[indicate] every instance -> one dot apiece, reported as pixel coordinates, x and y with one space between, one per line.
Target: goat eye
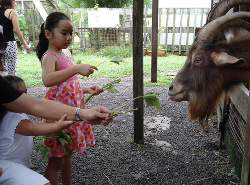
197 60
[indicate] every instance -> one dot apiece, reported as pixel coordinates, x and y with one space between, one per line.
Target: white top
14 147
18 174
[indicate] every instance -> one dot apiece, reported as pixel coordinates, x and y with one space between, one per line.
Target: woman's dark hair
51 22
5 3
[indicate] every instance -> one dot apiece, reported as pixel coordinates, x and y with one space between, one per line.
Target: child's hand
95 89
86 69
63 123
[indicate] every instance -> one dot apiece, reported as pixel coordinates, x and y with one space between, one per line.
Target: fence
176 28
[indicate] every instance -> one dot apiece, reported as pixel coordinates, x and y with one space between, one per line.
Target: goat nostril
171 87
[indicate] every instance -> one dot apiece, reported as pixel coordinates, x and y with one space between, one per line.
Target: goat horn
238 23
207 33
223 7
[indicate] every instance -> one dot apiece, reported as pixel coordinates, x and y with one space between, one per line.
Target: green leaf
44 150
116 59
62 141
112 90
67 137
152 100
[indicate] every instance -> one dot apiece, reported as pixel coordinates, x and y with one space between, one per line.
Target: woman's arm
28 128
51 76
14 18
54 110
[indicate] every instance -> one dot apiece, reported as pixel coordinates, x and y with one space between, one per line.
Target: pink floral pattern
70 93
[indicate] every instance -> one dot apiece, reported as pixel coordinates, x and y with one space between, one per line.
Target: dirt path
176 151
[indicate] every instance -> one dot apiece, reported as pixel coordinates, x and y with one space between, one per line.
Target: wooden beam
154 41
138 69
245 171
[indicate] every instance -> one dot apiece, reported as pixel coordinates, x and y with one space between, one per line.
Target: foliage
116 50
107 3
94 3
109 87
23 25
148 3
29 67
62 137
150 98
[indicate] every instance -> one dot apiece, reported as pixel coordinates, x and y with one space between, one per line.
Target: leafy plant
62 137
121 51
150 98
23 24
109 87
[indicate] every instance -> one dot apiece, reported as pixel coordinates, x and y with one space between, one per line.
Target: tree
95 3
107 3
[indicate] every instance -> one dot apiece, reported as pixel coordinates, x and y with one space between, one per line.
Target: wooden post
173 38
166 30
138 69
180 32
245 180
154 41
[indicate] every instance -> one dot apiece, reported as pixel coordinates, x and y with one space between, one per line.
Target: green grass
29 67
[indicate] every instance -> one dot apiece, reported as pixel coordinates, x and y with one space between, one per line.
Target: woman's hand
96 115
85 69
27 47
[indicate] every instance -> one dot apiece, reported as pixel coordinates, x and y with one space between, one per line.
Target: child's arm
51 76
92 89
28 128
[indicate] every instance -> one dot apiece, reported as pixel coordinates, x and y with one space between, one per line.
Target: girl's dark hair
51 22
5 3
13 79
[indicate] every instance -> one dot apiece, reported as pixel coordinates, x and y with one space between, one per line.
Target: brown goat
213 67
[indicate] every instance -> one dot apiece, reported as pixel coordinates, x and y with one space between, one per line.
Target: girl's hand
86 69
95 89
63 123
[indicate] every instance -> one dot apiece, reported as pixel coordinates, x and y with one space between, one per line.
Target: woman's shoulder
10 13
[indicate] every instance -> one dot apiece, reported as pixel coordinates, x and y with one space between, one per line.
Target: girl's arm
92 89
28 128
54 110
51 76
14 18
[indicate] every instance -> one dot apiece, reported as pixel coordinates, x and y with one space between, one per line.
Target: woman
8 26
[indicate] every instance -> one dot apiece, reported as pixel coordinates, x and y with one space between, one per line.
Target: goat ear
223 59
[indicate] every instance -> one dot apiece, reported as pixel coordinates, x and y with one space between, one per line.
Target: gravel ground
175 151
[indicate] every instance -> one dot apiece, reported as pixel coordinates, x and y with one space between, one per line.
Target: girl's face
61 36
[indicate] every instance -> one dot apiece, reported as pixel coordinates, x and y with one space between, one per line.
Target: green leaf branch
150 98
62 137
109 87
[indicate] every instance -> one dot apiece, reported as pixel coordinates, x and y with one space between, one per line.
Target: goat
214 66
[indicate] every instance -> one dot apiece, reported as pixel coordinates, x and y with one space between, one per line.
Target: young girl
16 142
59 75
